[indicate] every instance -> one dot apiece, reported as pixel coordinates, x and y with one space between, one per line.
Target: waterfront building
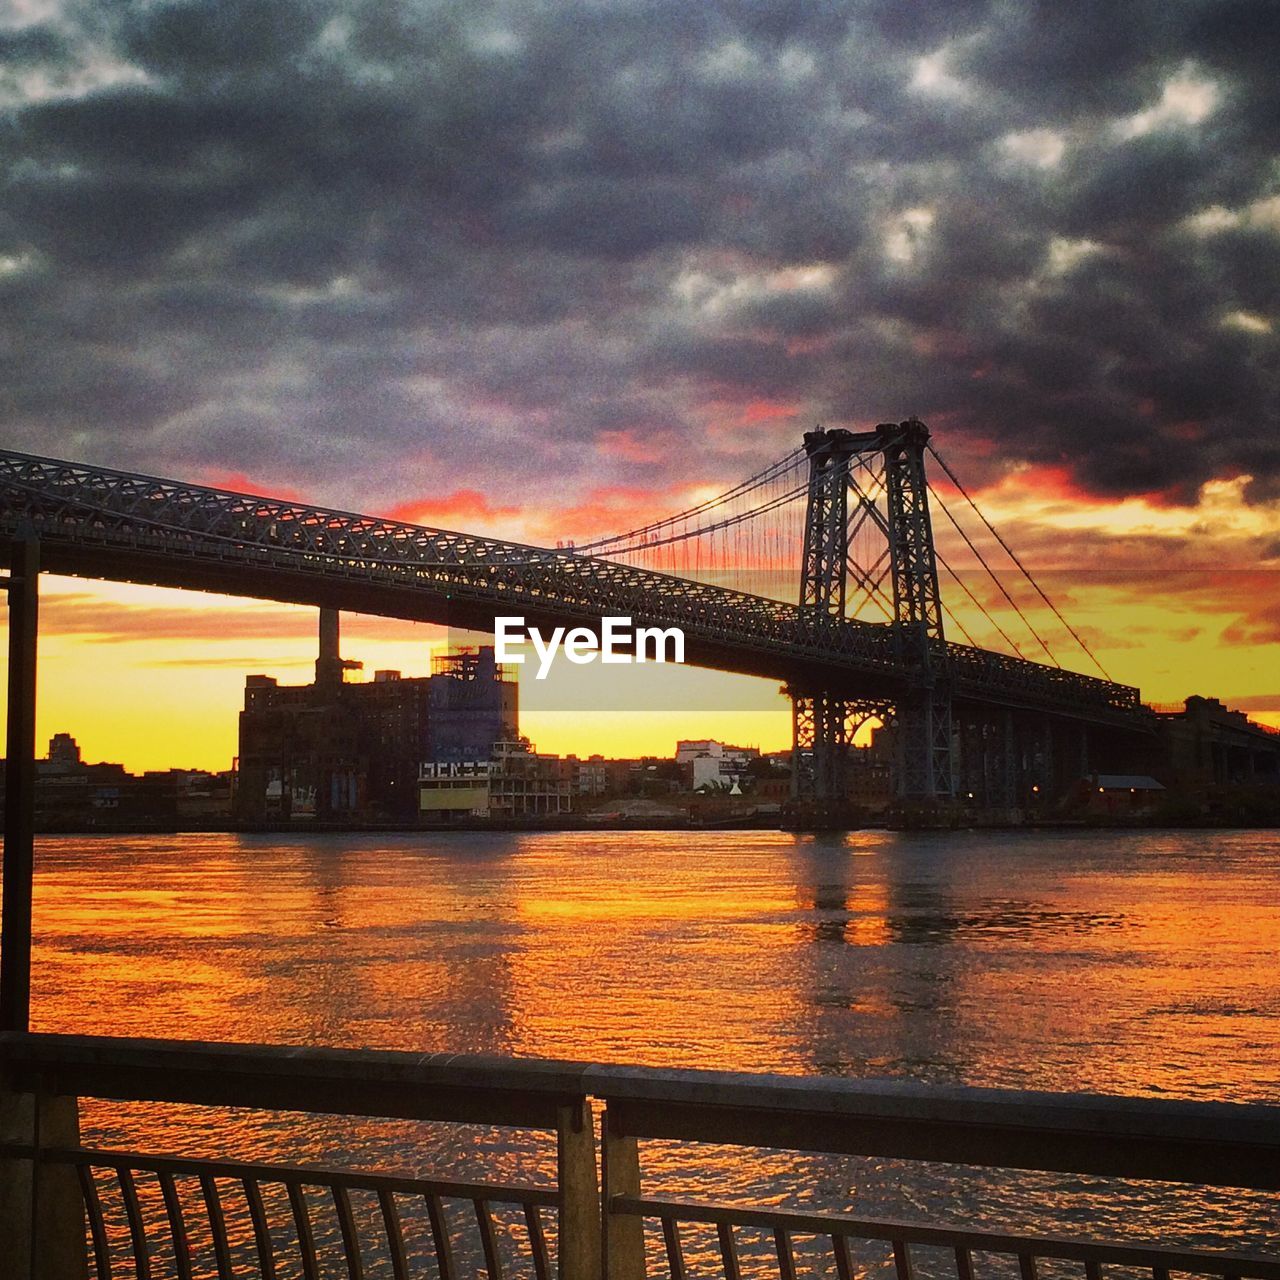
708 763
72 794
514 782
1207 744
336 749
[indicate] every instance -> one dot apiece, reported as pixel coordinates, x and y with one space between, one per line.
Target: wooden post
622 1233
579 1246
47 1207
20 789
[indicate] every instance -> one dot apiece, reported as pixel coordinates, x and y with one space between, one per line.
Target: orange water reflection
1125 963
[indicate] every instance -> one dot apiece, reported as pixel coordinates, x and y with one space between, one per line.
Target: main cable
761 478
1026 573
994 578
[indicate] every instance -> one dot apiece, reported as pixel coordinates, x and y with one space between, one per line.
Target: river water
1141 963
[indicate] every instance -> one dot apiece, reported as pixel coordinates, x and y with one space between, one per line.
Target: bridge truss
102 523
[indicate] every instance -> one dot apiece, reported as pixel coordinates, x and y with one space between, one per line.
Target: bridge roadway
94 522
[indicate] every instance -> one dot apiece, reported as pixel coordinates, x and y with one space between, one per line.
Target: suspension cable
685 535
960 582
770 504
1026 573
761 478
1004 591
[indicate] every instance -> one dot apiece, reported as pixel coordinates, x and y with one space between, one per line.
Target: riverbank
571 823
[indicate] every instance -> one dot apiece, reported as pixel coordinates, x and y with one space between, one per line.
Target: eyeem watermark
616 643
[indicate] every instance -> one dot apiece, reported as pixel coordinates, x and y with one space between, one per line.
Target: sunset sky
547 270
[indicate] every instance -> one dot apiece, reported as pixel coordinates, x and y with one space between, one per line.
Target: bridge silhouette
965 719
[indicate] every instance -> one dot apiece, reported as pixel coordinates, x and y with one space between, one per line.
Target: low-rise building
1119 794
515 782
712 764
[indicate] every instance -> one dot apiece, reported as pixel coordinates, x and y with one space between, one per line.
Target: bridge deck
100 523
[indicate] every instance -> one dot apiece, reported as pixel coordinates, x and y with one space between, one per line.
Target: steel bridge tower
824 721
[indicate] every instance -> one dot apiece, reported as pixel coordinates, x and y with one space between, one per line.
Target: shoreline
616 824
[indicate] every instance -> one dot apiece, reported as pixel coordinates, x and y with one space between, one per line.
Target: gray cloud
377 250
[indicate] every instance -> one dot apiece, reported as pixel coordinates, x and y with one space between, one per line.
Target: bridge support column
823 726
23 586
1009 760
1048 765
924 745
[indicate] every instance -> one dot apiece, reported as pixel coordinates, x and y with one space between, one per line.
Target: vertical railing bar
902 1259
177 1227
137 1228
302 1223
488 1241
97 1228
844 1259
537 1243
675 1254
728 1251
440 1234
395 1237
964 1264
1093 1271
217 1225
1159 1273
786 1262
1027 1266
350 1237
261 1229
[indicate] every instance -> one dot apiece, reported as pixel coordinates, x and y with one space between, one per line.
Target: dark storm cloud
361 249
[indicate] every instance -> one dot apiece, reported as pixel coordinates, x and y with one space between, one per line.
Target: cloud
380 253
1259 625
85 614
463 508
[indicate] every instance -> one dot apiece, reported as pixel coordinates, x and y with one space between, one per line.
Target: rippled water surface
1134 963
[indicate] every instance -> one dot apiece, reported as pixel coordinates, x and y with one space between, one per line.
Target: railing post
579 1246
42 1233
622 1233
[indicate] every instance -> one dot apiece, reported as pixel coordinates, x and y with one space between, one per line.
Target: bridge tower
823 723
924 714
823 720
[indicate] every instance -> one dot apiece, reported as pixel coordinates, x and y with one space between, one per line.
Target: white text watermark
617 642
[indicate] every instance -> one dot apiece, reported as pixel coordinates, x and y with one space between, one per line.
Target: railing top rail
468 1088
1250 1123
1210 1143
287 1174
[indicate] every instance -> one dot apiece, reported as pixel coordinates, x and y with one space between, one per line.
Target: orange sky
1174 600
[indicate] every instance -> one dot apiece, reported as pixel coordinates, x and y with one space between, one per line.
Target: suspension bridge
820 571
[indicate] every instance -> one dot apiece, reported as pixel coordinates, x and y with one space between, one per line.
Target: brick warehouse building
335 749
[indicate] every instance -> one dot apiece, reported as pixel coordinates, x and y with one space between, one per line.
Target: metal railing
591 1222
185 1194
253 1178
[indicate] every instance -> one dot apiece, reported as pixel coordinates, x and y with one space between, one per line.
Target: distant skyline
546 270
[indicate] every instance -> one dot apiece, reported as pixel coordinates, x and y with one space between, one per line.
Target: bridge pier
823 726
924 763
1006 759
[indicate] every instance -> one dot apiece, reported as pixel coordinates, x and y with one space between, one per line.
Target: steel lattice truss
98 522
